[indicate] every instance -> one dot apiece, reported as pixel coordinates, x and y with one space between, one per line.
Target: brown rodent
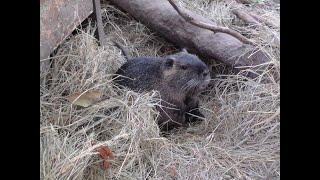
179 78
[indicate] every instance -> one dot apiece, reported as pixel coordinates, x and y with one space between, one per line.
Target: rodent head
186 71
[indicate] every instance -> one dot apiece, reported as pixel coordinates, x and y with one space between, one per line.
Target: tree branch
245 17
251 18
211 27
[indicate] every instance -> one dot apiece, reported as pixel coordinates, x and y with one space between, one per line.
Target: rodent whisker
185 85
189 85
168 106
193 85
116 76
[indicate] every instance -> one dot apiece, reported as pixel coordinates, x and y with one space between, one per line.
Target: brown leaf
86 99
105 165
105 152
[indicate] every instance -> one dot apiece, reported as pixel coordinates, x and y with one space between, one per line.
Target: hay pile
240 138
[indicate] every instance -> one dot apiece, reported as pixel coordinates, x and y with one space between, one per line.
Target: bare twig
262 20
251 18
122 48
211 27
245 17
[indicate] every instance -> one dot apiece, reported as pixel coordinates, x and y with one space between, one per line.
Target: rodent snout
206 80
205 74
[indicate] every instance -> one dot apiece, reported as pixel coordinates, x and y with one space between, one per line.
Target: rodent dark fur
179 78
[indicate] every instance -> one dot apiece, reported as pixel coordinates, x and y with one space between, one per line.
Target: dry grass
240 138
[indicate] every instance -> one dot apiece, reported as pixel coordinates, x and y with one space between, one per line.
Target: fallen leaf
105 152
86 99
105 165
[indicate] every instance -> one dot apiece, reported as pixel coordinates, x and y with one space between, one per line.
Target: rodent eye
169 62
183 67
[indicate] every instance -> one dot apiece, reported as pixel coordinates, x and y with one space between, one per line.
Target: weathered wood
58 18
162 17
97 12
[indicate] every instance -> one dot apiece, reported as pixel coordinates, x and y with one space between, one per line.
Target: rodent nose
205 73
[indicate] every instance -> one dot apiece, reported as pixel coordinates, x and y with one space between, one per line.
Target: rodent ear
184 50
169 61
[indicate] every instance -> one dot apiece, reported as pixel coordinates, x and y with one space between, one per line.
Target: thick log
58 18
163 18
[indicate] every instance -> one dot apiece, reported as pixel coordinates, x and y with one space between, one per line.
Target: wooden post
97 11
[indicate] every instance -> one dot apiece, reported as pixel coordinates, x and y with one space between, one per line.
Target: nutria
179 78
